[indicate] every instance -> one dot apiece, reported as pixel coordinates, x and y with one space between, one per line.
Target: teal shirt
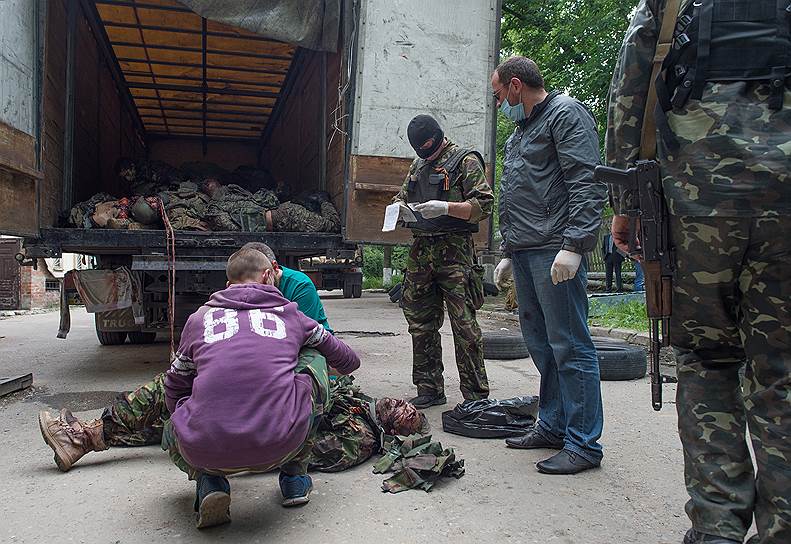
297 287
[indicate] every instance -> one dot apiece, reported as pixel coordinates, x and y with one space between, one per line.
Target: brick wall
33 288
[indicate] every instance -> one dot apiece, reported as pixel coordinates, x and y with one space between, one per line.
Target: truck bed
54 242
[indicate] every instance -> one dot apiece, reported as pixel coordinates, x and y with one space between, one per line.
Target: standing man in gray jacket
550 213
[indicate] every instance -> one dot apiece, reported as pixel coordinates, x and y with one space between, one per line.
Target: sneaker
295 489
424 401
212 501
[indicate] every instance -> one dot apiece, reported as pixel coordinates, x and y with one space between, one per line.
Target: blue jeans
639 278
554 320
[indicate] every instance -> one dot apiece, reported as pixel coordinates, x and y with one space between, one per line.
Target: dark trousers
613 262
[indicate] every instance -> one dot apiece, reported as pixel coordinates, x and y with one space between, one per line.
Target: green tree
574 42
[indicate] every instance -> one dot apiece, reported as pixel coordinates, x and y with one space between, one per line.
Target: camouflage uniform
729 193
346 436
186 207
292 217
233 208
438 269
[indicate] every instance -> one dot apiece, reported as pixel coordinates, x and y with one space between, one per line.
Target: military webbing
665 42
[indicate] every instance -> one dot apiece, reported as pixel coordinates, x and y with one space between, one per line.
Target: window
52 285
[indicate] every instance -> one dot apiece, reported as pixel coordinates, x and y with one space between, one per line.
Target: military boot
69 437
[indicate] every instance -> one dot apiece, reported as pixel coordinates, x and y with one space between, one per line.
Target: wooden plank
18 151
375 181
18 206
14 384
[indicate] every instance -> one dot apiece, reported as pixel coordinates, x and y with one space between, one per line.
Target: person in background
613 262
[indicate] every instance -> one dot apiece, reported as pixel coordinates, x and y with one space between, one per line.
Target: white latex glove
432 208
503 272
565 266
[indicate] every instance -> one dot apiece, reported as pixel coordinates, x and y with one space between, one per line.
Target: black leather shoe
424 401
533 440
565 462
694 537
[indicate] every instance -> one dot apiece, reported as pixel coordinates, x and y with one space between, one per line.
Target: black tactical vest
433 181
725 40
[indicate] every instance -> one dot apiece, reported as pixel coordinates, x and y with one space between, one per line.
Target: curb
628 335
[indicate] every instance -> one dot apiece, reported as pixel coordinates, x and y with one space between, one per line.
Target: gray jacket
548 197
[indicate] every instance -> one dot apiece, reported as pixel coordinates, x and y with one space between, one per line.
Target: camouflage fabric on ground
417 462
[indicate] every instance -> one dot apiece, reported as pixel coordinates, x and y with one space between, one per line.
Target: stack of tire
618 360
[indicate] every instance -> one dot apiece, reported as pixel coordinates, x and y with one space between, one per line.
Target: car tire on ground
111 338
395 292
619 360
138 337
504 345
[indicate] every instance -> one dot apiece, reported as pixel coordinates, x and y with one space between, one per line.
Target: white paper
391 217
393 213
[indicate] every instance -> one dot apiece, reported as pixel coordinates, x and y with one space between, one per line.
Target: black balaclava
421 129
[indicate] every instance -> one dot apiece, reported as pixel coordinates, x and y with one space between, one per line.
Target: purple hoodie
232 391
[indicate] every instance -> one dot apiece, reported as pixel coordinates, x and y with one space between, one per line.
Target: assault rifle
649 239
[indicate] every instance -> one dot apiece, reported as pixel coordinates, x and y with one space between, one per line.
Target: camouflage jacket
469 186
734 154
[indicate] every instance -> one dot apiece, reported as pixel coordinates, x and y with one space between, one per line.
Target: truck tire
138 337
504 345
347 289
111 338
619 360
357 290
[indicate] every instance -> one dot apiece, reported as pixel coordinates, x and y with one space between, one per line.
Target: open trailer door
417 57
20 58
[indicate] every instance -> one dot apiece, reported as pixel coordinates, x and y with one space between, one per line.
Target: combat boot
69 437
694 537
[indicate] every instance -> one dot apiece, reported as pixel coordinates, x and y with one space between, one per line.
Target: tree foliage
574 42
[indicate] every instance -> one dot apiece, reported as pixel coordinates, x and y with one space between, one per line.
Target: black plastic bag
490 418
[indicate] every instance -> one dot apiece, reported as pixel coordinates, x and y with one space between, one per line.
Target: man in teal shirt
136 418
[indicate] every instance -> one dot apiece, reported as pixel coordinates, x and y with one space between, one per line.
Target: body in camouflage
439 269
292 217
233 208
729 193
186 207
346 436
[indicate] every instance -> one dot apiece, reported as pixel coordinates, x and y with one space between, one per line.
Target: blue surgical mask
514 113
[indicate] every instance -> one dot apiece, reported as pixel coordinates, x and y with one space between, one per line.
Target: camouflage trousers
438 269
345 437
291 217
732 309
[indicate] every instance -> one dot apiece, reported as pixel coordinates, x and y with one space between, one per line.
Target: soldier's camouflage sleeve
628 92
476 189
402 194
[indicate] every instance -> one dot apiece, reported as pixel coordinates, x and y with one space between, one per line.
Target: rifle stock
650 218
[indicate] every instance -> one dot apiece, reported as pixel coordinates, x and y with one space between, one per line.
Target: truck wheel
504 345
357 290
619 360
113 338
348 290
138 337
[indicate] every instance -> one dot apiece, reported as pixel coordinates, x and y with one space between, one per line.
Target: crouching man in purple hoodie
240 396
